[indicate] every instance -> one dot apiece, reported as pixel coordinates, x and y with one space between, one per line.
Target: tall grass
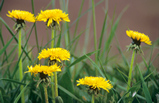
144 86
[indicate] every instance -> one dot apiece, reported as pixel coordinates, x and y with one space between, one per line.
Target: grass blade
14 36
96 66
1 5
5 47
78 19
102 33
113 29
16 100
14 81
81 58
69 93
145 89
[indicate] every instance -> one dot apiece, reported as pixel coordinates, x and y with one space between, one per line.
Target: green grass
97 62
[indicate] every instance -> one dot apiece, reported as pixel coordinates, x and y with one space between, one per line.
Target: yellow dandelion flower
21 15
47 70
54 54
95 83
52 17
138 37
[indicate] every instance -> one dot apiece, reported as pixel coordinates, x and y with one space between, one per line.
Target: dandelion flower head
95 82
51 16
138 37
21 15
47 70
55 54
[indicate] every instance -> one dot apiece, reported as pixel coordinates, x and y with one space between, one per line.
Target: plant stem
52 89
56 87
130 71
52 38
92 98
20 65
95 36
46 95
55 74
52 78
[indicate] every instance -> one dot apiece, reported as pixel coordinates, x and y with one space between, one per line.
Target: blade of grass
1 98
18 89
18 97
96 66
9 63
113 29
103 69
80 10
75 39
107 56
81 58
14 81
103 31
145 88
125 61
5 47
1 5
32 4
1 37
148 66
7 71
69 93
25 45
53 3
10 54
85 13
14 37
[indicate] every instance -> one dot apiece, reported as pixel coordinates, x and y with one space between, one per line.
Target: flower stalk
130 71
92 98
55 73
56 86
52 38
54 79
46 95
20 65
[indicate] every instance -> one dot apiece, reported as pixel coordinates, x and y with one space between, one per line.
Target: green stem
20 65
130 71
92 98
56 87
46 95
52 89
52 78
55 74
52 38
95 36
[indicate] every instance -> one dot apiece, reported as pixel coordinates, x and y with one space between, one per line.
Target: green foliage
145 77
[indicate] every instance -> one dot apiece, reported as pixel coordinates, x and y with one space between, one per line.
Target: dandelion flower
52 17
57 54
95 83
138 37
21 16
46 70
